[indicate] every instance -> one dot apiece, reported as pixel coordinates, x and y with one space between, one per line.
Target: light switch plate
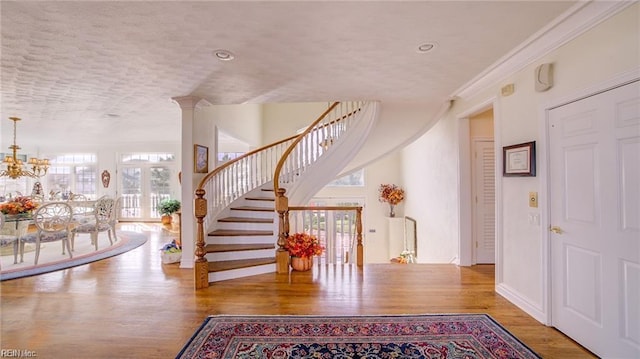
533 199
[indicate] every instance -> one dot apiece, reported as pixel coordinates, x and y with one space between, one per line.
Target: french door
142 188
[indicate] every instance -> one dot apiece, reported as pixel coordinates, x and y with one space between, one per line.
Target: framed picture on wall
200 159
519 160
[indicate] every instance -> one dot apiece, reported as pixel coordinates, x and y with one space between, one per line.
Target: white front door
595 221
484 201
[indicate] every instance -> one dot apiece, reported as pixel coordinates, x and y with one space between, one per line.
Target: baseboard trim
518 300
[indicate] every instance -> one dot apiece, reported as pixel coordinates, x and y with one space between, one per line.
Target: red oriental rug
389 336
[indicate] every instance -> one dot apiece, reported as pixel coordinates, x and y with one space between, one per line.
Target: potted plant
302 247
167 207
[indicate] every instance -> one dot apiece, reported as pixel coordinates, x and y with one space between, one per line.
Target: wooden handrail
324 208
285 155
238 159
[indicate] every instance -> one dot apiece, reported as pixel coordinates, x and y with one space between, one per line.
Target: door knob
556 229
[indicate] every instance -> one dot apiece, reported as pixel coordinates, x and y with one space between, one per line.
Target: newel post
359 248
282 255
201 267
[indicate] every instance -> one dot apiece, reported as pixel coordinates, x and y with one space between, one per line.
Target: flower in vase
391 194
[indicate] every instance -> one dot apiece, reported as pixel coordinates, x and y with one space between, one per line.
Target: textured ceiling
108 70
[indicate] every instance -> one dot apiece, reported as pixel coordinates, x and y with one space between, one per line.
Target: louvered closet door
483 197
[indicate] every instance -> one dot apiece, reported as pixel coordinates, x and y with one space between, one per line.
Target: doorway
145 179
477 186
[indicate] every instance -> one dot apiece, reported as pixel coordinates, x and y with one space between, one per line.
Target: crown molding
580 18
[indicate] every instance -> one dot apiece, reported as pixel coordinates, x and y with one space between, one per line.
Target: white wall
402 122
429 172
597 56
481 125
243 122
281 120
376 225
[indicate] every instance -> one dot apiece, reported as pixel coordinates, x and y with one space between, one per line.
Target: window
147 157
228 156
14 187
355 179
73 173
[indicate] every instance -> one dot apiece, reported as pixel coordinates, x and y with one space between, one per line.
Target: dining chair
77 197
103 212
115 216
53 222
8 236
82 208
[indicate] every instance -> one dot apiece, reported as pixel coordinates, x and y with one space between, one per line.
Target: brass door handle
556 229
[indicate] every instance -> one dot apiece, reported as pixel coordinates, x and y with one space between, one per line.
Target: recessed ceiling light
224 55
426 47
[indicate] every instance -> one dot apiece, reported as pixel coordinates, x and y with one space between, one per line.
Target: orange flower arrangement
391 194
18 205
303 245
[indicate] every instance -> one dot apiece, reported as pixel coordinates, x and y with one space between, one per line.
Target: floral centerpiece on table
18 205
303 245
391 194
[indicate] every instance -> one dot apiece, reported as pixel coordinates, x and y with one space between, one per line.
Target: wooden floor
132 306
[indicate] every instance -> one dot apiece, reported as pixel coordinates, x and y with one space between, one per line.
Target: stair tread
239 232
246 220
231 247
266 199
253 208
239 263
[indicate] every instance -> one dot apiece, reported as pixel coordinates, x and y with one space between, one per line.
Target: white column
188 226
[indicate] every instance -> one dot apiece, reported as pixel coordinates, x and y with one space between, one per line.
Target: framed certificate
519 160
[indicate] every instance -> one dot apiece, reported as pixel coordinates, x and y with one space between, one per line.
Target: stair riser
252 214
245 226
240 239
261 202
227 256
242 272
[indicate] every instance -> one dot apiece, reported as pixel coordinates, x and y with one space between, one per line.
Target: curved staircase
235 203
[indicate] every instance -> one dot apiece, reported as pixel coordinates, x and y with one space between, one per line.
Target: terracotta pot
166 219
301 264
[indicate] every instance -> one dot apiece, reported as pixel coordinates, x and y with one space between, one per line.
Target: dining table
18 224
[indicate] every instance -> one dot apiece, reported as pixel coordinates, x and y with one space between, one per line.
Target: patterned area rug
396 336
56 261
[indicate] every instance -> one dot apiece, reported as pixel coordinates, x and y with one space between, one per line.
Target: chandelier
14 165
